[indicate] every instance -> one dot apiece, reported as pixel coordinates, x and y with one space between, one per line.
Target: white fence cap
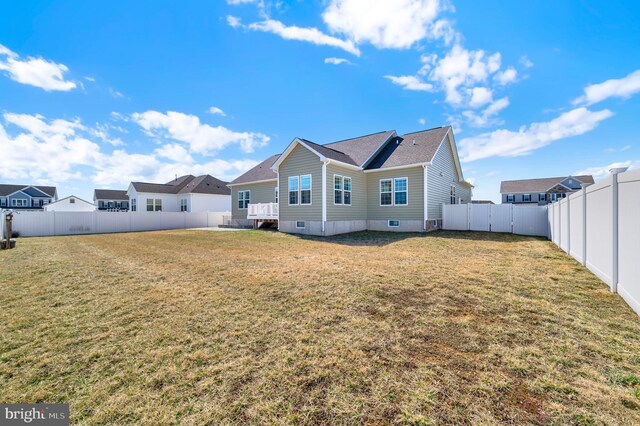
617 170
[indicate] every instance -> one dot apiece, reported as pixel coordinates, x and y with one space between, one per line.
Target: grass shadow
364 238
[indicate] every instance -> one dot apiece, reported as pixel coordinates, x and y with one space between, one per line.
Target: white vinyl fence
524 220
599 226
41 223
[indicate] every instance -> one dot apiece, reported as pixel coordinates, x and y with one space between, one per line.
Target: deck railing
262 211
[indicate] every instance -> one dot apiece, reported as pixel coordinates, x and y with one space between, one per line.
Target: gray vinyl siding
263 192
439 187
415 207
300 162
358 208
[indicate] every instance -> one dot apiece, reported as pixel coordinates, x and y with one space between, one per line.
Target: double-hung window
134 204
526 198
541 197
300 190
244 198
341 190
453 195
149 204
158 205
394 192
510 198
277 194
183 204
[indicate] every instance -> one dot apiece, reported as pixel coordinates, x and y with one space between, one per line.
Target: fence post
559 223
468 216
568 225
584 224
614 217
511 217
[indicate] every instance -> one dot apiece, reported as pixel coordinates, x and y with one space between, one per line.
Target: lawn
254 327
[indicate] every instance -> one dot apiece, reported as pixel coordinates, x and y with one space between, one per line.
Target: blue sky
94 96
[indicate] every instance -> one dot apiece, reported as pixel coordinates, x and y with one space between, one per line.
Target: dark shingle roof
411 148
330 153
6 189
260 172
205 184
187 184
110 194
360 149
538 185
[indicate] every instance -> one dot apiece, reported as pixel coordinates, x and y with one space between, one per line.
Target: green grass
188 327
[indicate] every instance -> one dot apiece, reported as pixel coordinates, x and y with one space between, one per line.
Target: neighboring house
70 204
380 181
183 194
26 197
541 191
482 202
111 199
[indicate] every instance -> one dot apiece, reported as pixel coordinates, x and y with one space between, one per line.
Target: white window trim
389 225
393 192
25 202
453 195
247 191
511 198
300 221
342 190
289 191
185 203
310 190
523 198
276 194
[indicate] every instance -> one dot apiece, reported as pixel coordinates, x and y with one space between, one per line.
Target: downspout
426 198
324 194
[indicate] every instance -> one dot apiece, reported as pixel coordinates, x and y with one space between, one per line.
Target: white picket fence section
523 220
599 226
41 223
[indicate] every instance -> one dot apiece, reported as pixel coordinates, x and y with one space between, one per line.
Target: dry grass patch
258 327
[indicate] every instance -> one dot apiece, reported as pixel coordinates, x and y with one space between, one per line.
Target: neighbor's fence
599 226
523 220
41 223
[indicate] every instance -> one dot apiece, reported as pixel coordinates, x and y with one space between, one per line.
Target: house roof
360 149
410 148
110 194
6 189
539 184
260 172
330 153
187 184
70 196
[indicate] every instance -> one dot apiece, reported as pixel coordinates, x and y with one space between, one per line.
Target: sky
96 95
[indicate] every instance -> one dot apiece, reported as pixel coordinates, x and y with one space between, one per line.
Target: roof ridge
553 177
425 130
324 146
357 137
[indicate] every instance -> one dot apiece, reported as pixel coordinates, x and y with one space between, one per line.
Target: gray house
382 181
542 190
26 197
111 199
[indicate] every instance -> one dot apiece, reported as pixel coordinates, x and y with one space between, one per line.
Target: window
299 224
300 190
386 192
3 201
19 203
277 195
149 204
183 204
134 205
541 197
244 198
526 198
72 200
394 223
341 190
452 194
510 198
337 189
158 205
400 191
305 189
347 191
293 190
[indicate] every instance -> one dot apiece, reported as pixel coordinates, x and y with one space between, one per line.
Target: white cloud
508 76
487 116
410 82
216 111
36 72
311 35
116 94
525 61
235 2
621 149
460 69
336 61
507 143
201 138
233 21
480 96
174 152
600 172
422 121
615 88
395 24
